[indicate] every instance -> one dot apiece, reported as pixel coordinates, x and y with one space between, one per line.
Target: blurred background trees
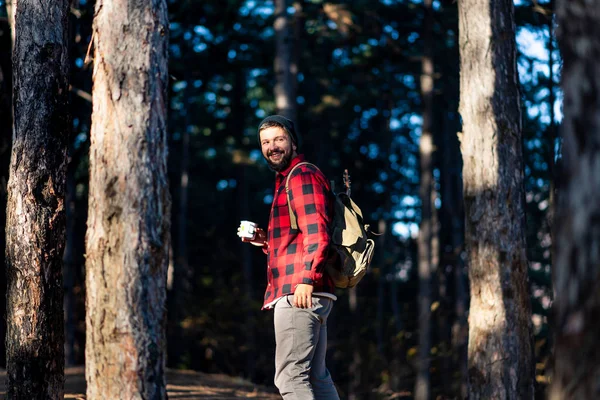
576 271
367 80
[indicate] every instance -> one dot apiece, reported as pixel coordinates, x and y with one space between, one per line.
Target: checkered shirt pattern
298 256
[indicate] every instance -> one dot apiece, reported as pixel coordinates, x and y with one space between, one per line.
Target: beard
282 163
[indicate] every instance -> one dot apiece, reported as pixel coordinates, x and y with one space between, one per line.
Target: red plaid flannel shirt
298 256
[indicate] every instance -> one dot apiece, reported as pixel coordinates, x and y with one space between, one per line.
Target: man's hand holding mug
249 232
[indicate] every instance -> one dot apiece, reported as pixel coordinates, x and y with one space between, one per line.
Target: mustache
271 152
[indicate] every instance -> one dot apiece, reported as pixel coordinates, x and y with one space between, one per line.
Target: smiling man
298 288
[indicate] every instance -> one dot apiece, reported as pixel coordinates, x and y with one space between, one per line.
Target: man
298 288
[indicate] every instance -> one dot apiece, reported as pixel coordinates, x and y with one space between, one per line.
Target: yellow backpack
349 238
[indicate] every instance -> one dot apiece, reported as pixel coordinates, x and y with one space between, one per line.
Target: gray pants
301 345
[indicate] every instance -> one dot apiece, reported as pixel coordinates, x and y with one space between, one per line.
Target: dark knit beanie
287 124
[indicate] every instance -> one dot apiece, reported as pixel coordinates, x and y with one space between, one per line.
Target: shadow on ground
186 385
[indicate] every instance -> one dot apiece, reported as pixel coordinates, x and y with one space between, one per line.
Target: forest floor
188 385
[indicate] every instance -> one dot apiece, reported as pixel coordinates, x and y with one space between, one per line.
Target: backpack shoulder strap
293 221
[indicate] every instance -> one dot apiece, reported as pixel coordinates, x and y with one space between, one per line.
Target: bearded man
298 288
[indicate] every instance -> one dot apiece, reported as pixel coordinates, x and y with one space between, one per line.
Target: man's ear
294 147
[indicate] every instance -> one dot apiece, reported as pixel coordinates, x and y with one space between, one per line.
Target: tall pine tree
500 343
129 206
577 233
35 221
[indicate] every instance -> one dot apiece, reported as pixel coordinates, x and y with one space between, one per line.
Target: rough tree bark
127 239
6 125
500 350
286 68
577 267
422 383
35 221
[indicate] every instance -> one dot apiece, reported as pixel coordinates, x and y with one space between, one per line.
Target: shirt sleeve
309 196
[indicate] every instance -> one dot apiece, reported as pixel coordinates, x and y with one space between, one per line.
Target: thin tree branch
81 93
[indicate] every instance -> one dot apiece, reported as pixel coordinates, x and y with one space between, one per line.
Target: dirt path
188 385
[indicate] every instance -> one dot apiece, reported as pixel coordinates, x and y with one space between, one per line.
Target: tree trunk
500 352
460 329
398 366
182 268
551 131
6 129
451 187
127 240
180 287
10 12
247 270
239 112
354 370
70 266
381 283
286 68
299 31
577 268
35 223
460 326
422 384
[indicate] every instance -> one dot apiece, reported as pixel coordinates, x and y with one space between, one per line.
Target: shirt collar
295 161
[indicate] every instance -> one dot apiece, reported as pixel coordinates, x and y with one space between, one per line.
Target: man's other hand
303 296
